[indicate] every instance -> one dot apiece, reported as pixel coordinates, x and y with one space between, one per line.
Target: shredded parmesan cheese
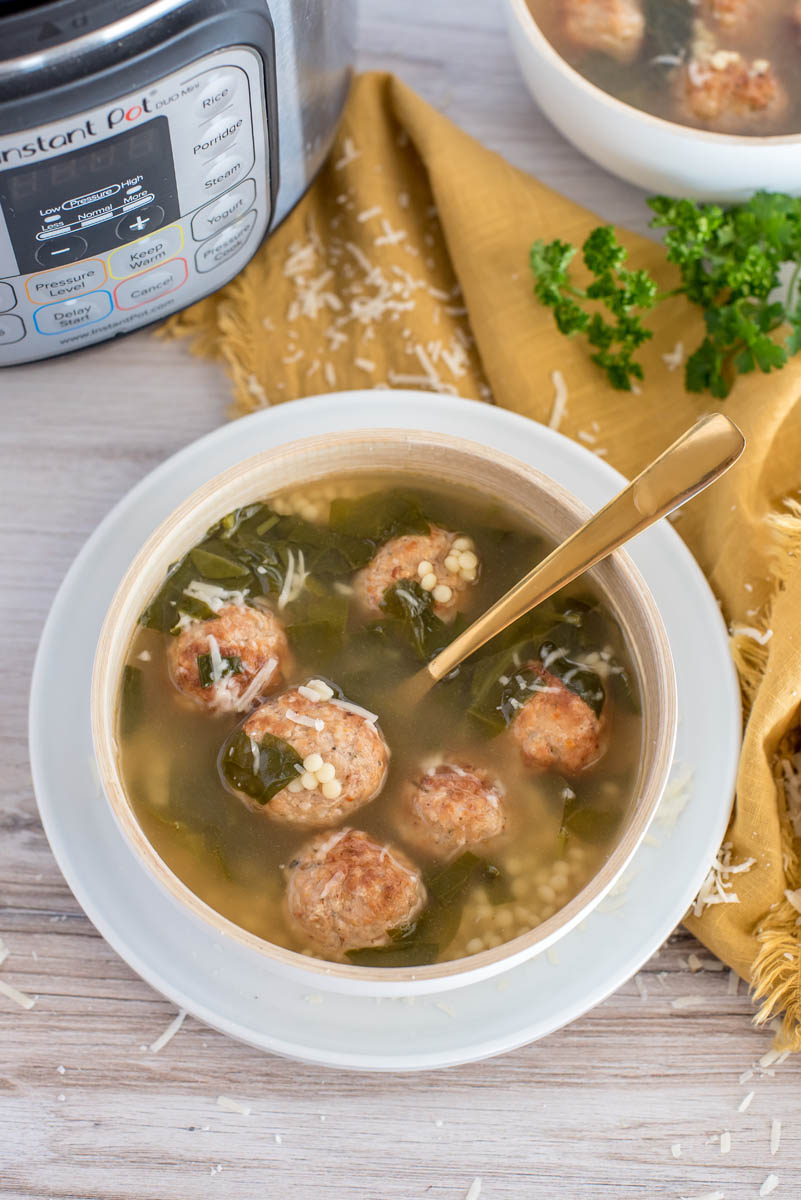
257 683
675 357
233 1106
745 1102
725 1142
169 1033
775 1136
3 952
756 635
474 1191
559 400
301 719
716 888
371 717
770 1185
20 998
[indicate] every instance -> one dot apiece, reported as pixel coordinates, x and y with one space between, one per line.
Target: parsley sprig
731 263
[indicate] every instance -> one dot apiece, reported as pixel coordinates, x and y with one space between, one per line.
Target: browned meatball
613 27
556 730
728 93
449 808
448 580
252 635
733 16
349 743
346 891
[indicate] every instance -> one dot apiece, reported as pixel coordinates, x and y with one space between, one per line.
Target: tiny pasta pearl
462 543
424 568
442 593
546 892
332 789
452 564
308 781
313 762
321 687
326 772
468 559
428 582
469 576
294 785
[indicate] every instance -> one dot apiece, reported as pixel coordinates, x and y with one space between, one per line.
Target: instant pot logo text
119 117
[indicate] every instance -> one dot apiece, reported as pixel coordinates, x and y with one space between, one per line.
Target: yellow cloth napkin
406 265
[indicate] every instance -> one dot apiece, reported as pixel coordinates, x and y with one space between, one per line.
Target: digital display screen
86 194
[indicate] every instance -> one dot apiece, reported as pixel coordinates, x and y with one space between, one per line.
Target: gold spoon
698 458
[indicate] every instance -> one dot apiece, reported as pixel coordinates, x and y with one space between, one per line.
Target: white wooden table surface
592 1112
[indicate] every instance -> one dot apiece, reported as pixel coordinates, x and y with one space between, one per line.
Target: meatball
346 891
728 93
449 808
556 729
443 563
252 635
344 754
733 16
613 27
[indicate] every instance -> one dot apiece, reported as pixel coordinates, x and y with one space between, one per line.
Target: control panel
119 216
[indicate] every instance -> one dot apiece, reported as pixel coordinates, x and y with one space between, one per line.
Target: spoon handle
698 458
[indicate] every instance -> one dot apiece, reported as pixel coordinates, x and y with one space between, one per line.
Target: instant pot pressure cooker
146 149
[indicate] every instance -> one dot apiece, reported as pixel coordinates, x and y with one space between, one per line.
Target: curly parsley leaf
731 262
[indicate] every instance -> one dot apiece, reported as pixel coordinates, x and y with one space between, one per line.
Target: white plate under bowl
233 988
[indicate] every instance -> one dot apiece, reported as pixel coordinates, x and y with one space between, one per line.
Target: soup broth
476 816
725 65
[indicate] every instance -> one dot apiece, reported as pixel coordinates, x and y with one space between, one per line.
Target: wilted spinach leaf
259 773
418 624
205 669
132 706
379 516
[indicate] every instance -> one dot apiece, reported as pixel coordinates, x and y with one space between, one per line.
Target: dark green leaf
397 954
132 704
215 566
205 670
261 778
414 610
